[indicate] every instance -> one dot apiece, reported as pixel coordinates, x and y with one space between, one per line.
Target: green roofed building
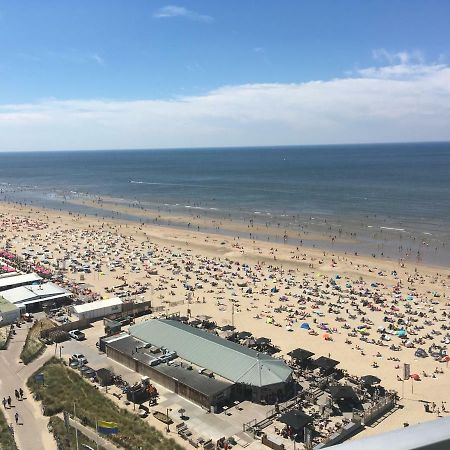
247 374
260 376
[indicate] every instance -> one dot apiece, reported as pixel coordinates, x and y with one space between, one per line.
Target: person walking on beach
4 402
16 416
21 393
16 393
9 401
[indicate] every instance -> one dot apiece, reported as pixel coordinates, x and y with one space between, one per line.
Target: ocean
400 188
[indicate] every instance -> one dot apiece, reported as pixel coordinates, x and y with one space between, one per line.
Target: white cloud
170 11
403 57
364 107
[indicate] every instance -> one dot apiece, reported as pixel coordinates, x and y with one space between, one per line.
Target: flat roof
230 360
124 343
19 279
99 304
24 294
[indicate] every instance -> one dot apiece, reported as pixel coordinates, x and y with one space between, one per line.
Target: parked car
79 358
77 335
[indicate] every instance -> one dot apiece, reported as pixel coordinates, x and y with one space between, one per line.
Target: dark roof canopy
227 328
369 380
243 334
343 392
300 354
263 341
296 419
325 363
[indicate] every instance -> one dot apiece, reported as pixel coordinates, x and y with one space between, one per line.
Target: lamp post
167 415
60 349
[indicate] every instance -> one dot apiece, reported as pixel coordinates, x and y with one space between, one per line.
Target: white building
19 280
32 297
98 309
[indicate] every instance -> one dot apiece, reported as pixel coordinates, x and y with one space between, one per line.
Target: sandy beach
230 279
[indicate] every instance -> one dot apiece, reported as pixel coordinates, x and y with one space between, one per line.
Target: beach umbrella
445 358
326 336
401 333
305 326
338 277
289 328
415 376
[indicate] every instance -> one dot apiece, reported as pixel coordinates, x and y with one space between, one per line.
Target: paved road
32 432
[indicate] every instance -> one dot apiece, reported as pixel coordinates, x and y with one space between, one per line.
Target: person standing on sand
21 393
9 401
16 416
4 402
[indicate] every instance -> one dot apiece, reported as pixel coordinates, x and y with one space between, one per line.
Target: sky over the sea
152 74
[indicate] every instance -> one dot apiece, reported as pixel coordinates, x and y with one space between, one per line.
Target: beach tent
420 353
401 333
305 326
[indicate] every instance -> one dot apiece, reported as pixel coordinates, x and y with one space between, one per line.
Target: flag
107 427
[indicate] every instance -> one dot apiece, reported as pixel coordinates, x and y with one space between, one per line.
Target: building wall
9 317
167 381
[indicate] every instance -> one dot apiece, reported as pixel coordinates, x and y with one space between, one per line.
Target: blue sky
87 67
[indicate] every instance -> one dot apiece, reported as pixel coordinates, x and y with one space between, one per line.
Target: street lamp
60 348
168 419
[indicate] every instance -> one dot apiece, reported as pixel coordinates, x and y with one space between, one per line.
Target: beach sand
219 262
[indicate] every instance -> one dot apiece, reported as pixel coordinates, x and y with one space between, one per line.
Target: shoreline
378 241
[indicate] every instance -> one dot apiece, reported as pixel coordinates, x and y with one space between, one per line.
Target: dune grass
63 386
66 439
33 346
6 437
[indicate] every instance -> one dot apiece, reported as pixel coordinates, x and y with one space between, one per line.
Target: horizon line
232 147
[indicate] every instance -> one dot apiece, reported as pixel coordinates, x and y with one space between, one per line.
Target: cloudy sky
151 74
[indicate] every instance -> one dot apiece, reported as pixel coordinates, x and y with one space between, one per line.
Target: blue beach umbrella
305 326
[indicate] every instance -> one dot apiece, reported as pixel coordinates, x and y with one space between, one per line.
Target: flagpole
76 429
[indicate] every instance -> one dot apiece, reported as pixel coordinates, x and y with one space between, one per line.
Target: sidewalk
31 432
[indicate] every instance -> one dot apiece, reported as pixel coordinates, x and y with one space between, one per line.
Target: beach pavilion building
201 361
34 297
